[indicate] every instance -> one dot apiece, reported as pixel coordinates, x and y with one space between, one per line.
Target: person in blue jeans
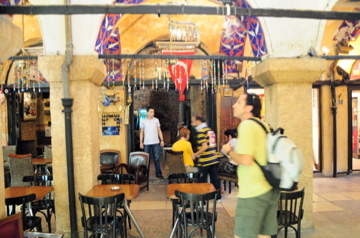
151 138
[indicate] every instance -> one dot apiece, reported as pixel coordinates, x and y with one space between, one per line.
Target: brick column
85 75
288 104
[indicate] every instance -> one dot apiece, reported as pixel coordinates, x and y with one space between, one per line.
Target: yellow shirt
185 147
251 141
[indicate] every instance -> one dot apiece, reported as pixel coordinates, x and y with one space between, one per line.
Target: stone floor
336 209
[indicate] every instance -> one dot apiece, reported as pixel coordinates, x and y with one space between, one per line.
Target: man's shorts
257 216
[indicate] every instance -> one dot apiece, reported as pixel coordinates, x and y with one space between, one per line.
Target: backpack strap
262 125
266 131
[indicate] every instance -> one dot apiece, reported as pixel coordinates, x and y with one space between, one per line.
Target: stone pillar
85 75
11 39
288 104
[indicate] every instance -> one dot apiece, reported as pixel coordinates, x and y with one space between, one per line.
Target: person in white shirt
230 166
151 137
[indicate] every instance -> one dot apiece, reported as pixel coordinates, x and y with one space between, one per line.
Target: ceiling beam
173 9
203 57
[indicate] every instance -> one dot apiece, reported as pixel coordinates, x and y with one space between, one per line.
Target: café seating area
333 200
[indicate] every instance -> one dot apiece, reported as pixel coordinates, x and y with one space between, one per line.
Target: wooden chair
7 149
139 166
12 227
20 166
290 211
181 178
230 178
47 204
119 179
100 217
175 162
184 178
199 212
109 159
29 221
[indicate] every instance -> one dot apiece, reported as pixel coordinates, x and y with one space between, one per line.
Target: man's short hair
253 99
199 118
150 107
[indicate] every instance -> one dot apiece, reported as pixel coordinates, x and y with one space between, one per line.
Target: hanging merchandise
213 81
180 72
123 73
224 73
204 75
158 76
128 78
113 72
134 75
218 75
143 73
163 70
153 77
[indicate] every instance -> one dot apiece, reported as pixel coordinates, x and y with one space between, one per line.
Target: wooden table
197 188
39 191
41 161
131 192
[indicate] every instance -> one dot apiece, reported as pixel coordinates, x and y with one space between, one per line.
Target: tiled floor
336 209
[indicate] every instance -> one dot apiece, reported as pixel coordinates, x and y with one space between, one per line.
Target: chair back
20 166
29 222
116 178
109 157
184 178
175 162
11 226
199 212
290 209
99 215
137 159
47 203
8 149
39 180
47 152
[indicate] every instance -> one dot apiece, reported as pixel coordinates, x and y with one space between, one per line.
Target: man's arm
204 147
239 158
161 137
141 138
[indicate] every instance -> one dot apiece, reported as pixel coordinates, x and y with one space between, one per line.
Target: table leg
126 206
176 224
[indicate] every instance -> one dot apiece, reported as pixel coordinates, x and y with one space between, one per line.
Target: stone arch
232 42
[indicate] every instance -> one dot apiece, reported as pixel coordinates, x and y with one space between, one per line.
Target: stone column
288 104
85 75
10 44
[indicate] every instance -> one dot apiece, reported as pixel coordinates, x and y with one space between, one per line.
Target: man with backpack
256 208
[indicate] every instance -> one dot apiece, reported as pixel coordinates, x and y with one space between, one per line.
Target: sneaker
218 201
160 177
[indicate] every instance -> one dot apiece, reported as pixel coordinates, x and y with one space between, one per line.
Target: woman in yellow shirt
185 146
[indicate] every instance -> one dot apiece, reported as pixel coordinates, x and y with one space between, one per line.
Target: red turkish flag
180 72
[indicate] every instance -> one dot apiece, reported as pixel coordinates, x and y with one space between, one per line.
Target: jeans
154 148
213 171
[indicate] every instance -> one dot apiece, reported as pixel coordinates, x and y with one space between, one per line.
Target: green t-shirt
251 141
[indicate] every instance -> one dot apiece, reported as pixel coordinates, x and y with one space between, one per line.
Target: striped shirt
208 157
